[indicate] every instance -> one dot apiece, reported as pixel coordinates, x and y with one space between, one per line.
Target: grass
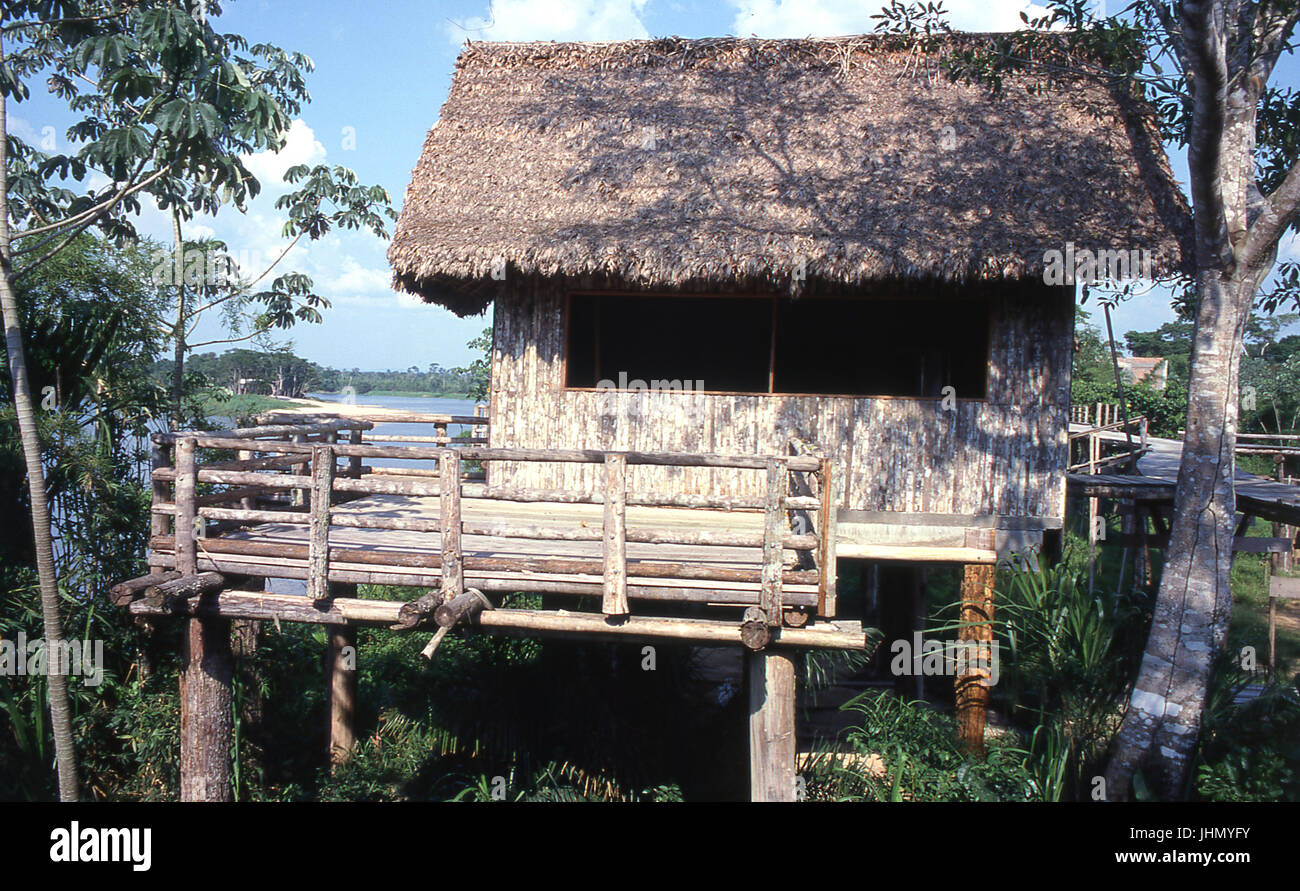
1249 585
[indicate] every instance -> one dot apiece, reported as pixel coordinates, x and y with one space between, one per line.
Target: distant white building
1153 369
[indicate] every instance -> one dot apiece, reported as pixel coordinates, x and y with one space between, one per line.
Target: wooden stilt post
341 669
976 633
453 569
1272 634
918 580
207 665
771 725
1094 453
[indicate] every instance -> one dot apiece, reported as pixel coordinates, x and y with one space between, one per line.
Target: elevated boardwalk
1157 477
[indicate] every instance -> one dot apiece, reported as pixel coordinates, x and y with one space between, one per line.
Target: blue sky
382 71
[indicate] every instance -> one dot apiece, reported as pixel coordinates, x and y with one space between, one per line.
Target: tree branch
257 333
1280 211
1207 77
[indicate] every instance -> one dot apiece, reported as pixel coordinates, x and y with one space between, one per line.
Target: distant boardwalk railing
1109 447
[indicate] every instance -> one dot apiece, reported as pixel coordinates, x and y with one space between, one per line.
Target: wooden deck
314 501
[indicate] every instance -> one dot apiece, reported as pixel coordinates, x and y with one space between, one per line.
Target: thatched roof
670 163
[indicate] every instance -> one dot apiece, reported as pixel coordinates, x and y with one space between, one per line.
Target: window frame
775 300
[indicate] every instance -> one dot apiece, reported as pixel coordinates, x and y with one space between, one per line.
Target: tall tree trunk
178 335
60 710
1193 606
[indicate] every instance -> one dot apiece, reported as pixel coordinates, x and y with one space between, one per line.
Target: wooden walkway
1158 475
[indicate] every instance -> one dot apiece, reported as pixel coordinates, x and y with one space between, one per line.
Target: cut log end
183 588
414 613
461 609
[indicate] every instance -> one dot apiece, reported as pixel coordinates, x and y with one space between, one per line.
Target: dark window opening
717 343
817 346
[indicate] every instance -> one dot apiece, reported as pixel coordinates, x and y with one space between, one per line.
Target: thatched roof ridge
676 163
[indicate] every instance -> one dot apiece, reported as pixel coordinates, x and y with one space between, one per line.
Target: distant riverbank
375 402
405 394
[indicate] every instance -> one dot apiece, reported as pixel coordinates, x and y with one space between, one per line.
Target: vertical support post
773 533
248 502
161 524
453 575
341 680
318 545
771 682
826 522
354 462
185 526
298 497
1280 562
207 665
1094 453
1142 566
976 635
480 430
1272 634
614 543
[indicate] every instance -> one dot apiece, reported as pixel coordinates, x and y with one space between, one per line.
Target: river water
435 405
421 404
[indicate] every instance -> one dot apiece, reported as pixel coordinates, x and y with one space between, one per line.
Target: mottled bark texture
1227 52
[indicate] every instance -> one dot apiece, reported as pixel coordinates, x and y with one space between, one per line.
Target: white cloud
553 20
301 147
832 18
347 277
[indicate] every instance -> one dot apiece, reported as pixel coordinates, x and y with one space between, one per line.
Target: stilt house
748 246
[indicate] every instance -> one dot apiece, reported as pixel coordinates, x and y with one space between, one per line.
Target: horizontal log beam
183 587
914 553
497 583
558 565
419 487
341 610
124 592
268 430
473 453
1241 544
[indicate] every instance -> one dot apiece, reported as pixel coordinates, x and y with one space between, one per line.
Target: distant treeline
278 372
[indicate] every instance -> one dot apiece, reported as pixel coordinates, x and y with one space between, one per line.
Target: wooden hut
756 303
772 246
738 245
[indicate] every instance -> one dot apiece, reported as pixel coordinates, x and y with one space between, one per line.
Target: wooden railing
1278 445
1098 414
1093 452
291 474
